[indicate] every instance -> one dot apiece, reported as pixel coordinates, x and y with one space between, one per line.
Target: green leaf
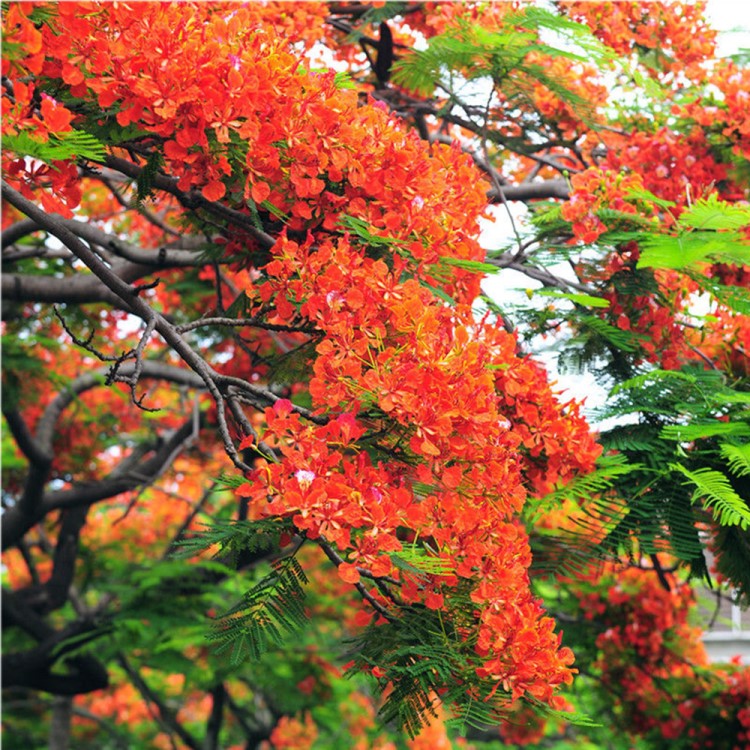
439 293
419 561
626 341
645 195
273 606
343 80
362 229
470 265
689 432
738 457
685 250
734 297
713 213
274 211
59 147
147 176
582 488
714 489
651 377
586 300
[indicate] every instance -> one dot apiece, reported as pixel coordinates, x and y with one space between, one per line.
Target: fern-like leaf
687 249
713 213
60 146
738 458
714 489
689 432
257 623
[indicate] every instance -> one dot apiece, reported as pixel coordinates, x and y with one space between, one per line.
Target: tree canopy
282 468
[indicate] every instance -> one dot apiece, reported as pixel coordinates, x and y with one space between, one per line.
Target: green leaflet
274 606
713 213
717 495
690 432
59 147
586 486
418 561
735 297
469 265
586 300
232 537
687 249
501 55
626 341
738 458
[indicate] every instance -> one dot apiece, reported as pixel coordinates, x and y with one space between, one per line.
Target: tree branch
167 717
34 504
216 717
30 447
77 290
545 190
32 668
16 231
129 294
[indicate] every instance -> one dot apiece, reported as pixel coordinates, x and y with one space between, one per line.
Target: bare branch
77 290
547 278
135 205
240 322
86 343
166 716
53 223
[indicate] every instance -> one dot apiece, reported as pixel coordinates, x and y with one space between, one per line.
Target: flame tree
264 429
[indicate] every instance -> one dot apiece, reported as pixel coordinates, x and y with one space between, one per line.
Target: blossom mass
250 369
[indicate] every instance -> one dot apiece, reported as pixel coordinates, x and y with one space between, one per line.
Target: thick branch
30 447
34 504
150 369
162 258
17 523
64 561
32 668
16 231
77 290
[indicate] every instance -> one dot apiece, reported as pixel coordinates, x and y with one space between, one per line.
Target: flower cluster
672 167
434 428
581 81
453 468
675 32
727 115
648 650
597 190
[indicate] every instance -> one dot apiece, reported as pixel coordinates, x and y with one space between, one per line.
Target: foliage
277 472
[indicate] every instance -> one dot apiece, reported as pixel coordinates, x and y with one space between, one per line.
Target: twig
336 559
86 343
254 322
